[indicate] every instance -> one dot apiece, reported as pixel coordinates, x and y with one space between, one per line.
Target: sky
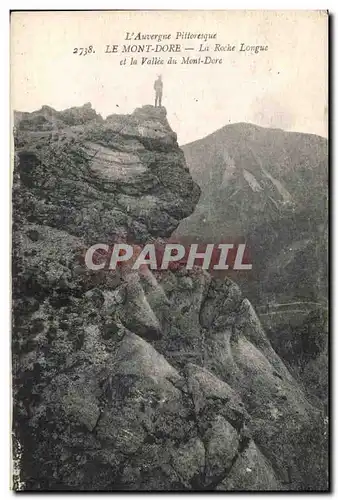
283 87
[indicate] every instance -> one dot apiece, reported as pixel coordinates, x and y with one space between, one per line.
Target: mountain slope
251 175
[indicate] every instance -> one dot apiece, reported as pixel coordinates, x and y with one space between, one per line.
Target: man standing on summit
158 86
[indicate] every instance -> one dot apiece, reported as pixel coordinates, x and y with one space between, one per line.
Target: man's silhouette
158 86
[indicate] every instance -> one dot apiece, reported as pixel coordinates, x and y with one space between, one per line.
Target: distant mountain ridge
264 186
256 174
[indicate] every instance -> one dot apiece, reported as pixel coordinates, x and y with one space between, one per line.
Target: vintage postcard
169 251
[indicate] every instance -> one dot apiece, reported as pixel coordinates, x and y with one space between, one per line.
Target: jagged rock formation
137 381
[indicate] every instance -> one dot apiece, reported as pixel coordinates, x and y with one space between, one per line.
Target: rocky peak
101 178
136 381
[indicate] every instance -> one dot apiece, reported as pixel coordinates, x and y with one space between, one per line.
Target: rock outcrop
160 380
269 188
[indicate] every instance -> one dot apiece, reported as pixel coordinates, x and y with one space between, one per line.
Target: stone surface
151 381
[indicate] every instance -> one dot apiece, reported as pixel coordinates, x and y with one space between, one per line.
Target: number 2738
83 51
